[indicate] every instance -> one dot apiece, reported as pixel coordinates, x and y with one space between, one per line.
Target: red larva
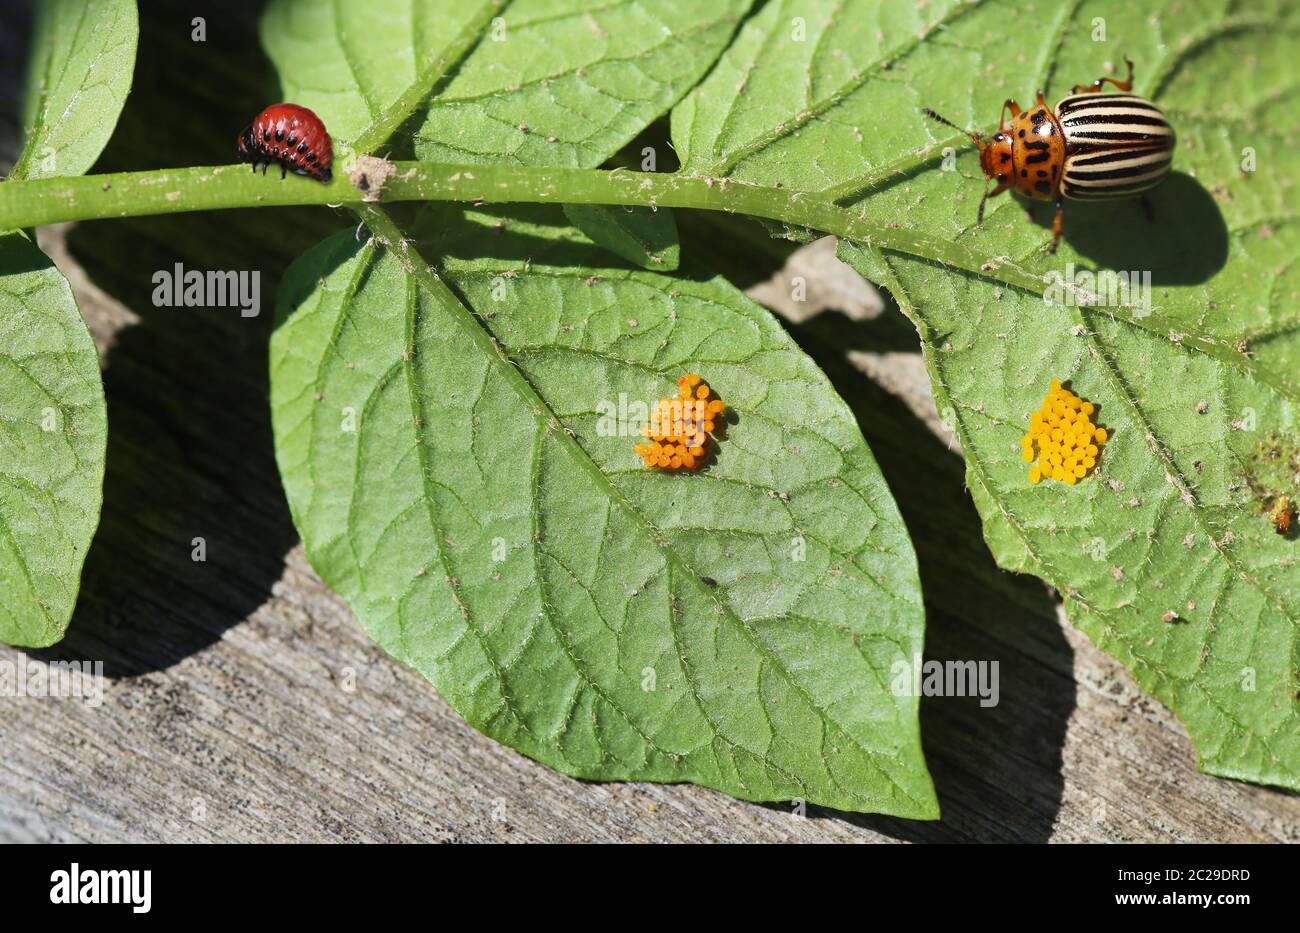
291 136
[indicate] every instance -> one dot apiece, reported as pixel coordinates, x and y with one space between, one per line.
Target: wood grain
245 704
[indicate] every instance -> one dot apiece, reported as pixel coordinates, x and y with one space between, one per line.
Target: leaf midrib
387 233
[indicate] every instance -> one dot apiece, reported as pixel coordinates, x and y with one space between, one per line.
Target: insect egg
678 435
1068 443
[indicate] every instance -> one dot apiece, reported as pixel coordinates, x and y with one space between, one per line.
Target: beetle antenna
979 217
975 137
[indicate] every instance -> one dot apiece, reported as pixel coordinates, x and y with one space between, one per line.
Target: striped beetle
1096 146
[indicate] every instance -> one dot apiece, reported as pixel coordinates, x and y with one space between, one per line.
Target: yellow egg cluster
1069 444
679 427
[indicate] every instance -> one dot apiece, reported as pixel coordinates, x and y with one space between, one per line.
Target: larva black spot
307 150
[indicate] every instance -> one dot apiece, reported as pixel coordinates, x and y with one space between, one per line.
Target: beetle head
995 155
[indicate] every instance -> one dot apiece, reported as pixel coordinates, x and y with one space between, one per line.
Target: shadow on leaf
1184 241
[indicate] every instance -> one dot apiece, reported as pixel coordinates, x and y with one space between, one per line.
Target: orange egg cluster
679 427
1069 444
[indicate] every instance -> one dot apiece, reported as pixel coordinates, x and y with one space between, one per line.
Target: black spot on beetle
1041 173
1022 134
302 147
1038 116
279 135
1043 186
1024 172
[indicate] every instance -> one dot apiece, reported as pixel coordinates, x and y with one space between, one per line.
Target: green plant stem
94 197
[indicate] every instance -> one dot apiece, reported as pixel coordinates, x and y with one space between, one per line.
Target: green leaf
455 489
456 475
52 436
53 426
83 54
644 237
352 62
1165 557
550 82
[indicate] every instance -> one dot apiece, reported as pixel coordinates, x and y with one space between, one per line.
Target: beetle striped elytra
1094 146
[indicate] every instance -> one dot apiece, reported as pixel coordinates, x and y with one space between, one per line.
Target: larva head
244 145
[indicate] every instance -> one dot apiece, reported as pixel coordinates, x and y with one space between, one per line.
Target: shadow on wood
997 770
190 471
195 526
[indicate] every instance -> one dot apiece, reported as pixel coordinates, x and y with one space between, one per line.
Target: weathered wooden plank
228 714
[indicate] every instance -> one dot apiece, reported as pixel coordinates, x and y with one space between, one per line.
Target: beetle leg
1148 208
1126 85
283 169
1057 225
1011 105
979 217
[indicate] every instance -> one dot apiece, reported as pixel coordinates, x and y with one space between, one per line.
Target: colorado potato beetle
292 137
1095 146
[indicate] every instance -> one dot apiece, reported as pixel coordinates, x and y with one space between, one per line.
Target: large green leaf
735 628
350 62
83 53
53 426
447 465
551 82
1165 557
52 436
